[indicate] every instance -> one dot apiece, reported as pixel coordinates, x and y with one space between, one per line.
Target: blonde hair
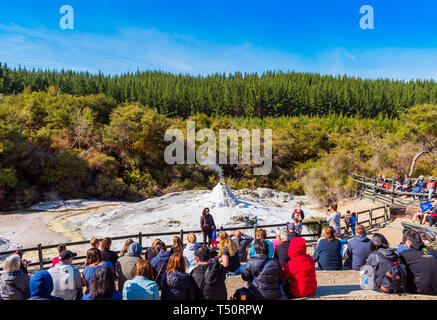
12 263
228 243
191 238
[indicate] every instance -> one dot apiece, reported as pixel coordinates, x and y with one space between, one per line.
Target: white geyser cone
222 196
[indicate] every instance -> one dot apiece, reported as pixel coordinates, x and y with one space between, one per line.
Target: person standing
206 226
334 218
298 215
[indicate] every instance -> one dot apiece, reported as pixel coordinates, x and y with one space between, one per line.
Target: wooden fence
367 188
315 225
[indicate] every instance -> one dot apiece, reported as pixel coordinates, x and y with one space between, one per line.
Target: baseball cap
67 254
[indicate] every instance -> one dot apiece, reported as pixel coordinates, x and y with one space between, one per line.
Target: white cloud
130 49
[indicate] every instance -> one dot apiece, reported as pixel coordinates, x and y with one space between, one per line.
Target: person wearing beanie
41 286
125 266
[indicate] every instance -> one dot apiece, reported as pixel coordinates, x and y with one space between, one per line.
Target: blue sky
203 37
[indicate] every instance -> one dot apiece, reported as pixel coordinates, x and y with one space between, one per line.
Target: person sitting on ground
431 186
14 283
142 286
209 277
178 246
421 263
107 253
263 274
176 284
228 252
190 249
277 241
262 234
24 264
93 262
67 282
243 242
125 247
403 245
328 251
281 252
160 261
95 243
358 249
150 252
60 248
334 219
41 286
300 271
381 258
103 286
407 185
125 266
423 212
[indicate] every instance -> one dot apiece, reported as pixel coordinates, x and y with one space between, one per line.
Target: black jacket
421 263
177 286
111 256
263 276
281 251
214 285
243 245
206 222
380 265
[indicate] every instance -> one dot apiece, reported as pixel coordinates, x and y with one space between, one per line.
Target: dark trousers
207 234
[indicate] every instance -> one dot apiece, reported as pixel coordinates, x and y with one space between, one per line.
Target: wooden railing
367 188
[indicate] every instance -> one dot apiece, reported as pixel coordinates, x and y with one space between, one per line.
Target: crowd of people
405 184
273 269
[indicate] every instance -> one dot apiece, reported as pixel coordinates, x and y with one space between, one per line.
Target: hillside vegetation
60 145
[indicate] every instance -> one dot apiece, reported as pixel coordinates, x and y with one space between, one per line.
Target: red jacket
300 270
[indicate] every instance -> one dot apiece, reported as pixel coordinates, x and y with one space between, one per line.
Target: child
347 221
353 222
277 241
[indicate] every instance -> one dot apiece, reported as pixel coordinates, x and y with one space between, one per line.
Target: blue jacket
88 273
329 254
157 262
115 296
41 286
141 288
358 250
271 249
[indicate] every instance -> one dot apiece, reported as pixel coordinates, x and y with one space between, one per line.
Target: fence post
385 213
40 257
221 228
182 235
255 228
319 228
370 217
140 238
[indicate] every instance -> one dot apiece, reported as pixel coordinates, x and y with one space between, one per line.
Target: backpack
367 281
395 279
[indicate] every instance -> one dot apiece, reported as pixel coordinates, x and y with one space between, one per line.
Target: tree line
271 94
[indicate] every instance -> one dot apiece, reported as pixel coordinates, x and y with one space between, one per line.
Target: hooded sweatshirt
177 286
214 287
125 266
380 266
14 285
300 270
41 286
189 253
357 252
161 260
